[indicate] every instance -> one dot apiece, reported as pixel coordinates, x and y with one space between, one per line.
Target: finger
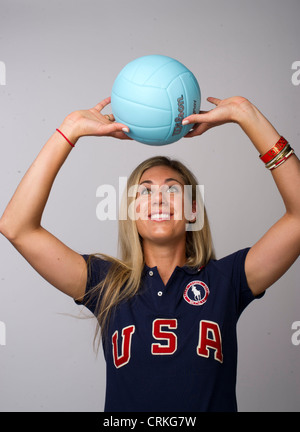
113 127
116 130
102 104
121 135
196 118
198 130
110 117
193 132
213 100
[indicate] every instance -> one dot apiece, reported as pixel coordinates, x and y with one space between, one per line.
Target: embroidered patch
196 293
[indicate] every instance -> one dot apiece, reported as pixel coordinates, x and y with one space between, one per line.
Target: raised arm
21 221
277 250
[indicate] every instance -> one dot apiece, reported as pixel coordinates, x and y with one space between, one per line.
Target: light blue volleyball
152 95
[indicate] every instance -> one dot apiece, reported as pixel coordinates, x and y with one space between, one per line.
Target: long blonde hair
124 275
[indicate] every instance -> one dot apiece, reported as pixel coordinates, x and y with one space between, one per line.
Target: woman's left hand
226 111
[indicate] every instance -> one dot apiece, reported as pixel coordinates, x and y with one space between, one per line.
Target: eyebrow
166 181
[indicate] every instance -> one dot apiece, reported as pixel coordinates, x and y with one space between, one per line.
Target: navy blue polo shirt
173 348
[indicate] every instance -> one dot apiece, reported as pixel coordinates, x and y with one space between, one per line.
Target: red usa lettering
209 328
170 337
209 339
124 358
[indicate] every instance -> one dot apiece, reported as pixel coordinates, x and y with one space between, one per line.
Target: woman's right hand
93 123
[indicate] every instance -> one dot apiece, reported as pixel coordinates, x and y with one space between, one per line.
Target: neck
165 258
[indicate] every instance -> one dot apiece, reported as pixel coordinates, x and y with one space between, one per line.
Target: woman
167 310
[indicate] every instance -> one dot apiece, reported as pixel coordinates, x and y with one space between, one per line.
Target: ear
192 215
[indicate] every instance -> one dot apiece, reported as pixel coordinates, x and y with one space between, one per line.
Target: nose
159 196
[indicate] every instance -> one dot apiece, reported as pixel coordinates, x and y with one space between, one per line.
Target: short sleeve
97 271
234 266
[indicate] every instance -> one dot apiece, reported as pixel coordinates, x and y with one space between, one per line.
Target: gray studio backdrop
59 56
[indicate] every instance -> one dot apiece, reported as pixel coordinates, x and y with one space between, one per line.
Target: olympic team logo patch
196 293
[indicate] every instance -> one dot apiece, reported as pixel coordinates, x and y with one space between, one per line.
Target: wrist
244 112
69 127
256 126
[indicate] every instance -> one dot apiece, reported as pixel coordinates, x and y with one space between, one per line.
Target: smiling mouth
160 217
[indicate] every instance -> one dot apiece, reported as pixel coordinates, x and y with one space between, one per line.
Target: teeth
160 216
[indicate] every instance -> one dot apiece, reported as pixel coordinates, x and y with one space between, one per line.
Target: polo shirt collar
186 269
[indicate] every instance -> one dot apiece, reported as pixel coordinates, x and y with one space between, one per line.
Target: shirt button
150 273
159 293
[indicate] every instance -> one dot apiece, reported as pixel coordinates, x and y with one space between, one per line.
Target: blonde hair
124 275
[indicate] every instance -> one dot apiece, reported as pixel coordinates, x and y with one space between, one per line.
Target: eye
144 190
174 188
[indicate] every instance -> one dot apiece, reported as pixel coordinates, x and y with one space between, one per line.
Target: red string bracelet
65 138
